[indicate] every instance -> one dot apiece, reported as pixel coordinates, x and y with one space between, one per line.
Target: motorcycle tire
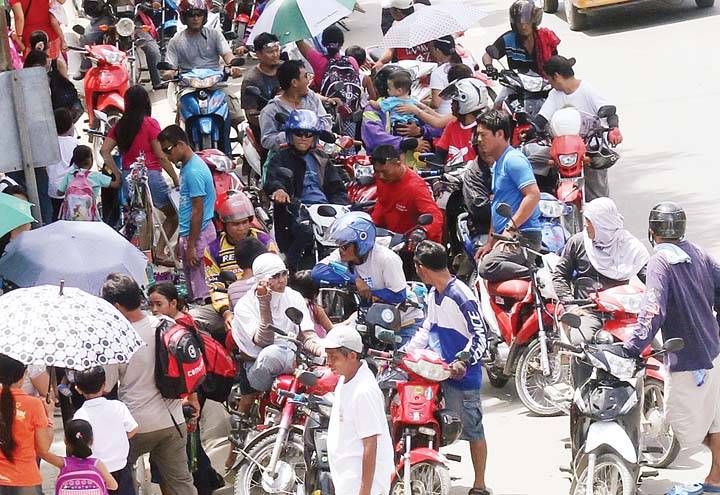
496 378
423 474
603 466
704 4
529 364
550 6
654 400
249 478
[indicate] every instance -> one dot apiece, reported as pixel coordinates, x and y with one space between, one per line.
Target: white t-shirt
111 421
359 412
439 81
58 171
585 99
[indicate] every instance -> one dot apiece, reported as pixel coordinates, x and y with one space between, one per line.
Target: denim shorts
467 405
159 189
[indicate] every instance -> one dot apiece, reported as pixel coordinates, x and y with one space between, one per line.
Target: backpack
80 477
220 369
79 203
342 81
179 365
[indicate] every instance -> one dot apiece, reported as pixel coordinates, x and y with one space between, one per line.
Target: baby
399 85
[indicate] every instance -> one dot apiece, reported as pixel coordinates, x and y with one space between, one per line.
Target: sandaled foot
479 491
693 489
708 488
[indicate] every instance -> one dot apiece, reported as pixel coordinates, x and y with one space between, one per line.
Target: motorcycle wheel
662 447
205 142
291 463
611 477
426 478
113 115
550 6
530 381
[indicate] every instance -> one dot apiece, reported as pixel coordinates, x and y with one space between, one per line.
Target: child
305 285
80 473
245 253
360 56
57 172
399 85
113 426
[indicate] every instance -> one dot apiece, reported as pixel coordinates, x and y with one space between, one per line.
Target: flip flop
694 489
710 488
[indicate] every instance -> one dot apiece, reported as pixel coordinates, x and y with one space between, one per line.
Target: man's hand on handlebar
235 72
363 288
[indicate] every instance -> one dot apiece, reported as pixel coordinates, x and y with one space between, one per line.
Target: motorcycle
554 234
240 17
164 15
362 187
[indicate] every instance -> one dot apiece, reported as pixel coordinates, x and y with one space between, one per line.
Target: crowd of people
241 280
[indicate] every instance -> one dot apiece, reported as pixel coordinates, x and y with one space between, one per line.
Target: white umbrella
68 328
430 23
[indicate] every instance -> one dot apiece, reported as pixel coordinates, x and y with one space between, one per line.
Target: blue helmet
355 227
302 120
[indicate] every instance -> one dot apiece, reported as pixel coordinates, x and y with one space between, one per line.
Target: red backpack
220 369
179 364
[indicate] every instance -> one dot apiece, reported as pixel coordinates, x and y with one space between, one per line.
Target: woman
332 40
165 301
442 51
137 132
25 432
34 15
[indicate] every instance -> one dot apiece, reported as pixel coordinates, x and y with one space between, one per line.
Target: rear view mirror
77 28
571 319
384 335
326 211
237 61
308 379
504 210
230 35
674 345
606 111
294 315
425 219
227 277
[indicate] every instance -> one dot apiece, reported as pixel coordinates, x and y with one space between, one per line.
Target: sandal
479 491
710 488
693 489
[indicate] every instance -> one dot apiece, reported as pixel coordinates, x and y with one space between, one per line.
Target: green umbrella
14 212
293 20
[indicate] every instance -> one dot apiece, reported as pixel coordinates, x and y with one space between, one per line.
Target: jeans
152 55
500 265
302 239
167 451
271 362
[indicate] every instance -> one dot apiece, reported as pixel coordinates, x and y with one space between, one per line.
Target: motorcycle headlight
532 83
125 27
568 160
551 209
430 371
202 83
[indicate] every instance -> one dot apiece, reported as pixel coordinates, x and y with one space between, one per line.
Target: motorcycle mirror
571 319
254 91
284 56
237 62
606 111
164 66
277 330
326 211
77 28
230 35
385 315
327 137
227 277
425 219
504 210
674 345
294 315
307 378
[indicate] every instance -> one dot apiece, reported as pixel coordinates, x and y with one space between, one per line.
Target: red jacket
399 204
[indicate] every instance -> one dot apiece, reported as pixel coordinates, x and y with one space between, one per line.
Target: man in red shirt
402 196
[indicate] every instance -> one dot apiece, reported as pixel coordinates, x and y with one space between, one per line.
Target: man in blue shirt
513 183
196 210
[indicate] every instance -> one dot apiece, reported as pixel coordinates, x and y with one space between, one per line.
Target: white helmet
470 93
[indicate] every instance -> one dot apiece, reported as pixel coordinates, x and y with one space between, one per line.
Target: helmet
525 11
381 78
302 120
354 227
235 208
601 154
470 93
450 426
188 5
667 220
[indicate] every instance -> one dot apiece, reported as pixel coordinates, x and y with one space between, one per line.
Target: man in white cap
360 450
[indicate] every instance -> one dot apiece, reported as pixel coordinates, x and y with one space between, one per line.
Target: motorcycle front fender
424 454
110 100
206 125
611 434
294 429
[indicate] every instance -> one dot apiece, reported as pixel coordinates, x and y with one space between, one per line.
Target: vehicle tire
205 142
576 20
530 381
550 6
496 378
704 4
610 470
657 433
249 478
426 478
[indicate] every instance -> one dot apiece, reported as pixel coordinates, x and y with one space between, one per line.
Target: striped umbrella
293 20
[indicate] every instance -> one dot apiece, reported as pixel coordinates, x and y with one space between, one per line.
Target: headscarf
615 252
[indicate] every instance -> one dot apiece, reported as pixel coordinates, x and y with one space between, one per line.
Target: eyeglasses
304 134
195 13
281 274
169 149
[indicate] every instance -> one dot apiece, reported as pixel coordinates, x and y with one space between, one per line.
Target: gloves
408 144
615 136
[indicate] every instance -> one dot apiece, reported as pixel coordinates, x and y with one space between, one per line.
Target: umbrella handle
62 286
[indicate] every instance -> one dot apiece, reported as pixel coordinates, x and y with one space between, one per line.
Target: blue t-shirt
312 193
510 174
195 181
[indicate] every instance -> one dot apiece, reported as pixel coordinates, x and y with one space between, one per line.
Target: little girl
309 289
78 471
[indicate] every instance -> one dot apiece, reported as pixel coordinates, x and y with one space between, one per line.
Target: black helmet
381 78
525 11
667 220
450 426
602 156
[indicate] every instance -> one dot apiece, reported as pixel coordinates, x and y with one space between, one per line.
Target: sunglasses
304 134
195 13
281 274
169 149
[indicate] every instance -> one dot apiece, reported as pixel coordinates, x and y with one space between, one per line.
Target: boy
112 426
399 86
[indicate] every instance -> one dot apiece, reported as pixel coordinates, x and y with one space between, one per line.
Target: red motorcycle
419 425
362 187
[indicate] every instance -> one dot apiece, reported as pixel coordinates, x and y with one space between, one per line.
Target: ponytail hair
11 372
78 438
446 46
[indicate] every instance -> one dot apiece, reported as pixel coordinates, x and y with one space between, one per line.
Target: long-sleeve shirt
680 297
376 129
454 324
399 204
271 131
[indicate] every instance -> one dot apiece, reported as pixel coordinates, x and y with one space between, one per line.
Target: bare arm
436 100
106 151
531 198
43 440
110 482
164 162
303 47
386 57
19 16
368 464
132 433
370 87
196 219
117 181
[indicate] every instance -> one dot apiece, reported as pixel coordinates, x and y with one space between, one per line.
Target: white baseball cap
343 336
398 4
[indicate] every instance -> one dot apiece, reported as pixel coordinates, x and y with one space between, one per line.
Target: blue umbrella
80 253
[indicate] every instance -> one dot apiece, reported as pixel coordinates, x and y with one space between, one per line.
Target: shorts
468 405
693 412
159 189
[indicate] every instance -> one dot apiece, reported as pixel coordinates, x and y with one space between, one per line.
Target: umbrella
293 20
67 328
81 253
430 23
14 212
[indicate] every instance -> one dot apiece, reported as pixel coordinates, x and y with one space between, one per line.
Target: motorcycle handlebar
379 354
578 302
568 347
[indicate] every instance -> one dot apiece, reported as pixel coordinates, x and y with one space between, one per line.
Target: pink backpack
80 477
79 203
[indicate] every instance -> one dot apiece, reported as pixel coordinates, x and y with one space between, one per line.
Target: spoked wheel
661 446
530 382
611 476
426 478
113 116
290 469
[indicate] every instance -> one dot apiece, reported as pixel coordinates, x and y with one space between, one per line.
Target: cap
398 4
266 265
343 336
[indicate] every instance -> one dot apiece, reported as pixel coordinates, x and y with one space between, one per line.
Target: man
399 10
236 214
199 47
570 91
402 196
196 210
513 183
376 270
296 95
264 77
360 450
162 431
313 179
454 325
682 288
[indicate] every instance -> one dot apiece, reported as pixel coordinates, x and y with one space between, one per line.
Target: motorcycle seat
514 289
